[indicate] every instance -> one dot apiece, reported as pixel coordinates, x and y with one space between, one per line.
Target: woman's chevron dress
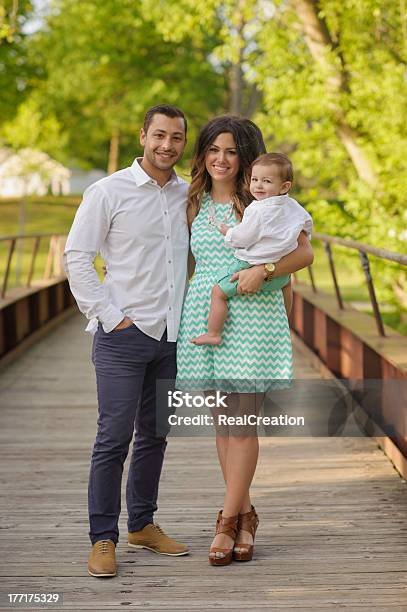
256 347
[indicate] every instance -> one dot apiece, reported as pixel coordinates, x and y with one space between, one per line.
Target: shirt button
166 212
169 261
167 237
172 286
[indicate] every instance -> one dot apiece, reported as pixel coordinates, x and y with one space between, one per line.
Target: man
136 218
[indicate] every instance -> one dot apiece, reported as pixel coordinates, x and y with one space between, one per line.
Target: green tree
333 77
106 63
15 70
234 25
12 13
29 128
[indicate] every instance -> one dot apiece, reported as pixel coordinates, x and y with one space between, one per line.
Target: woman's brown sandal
227 525
247 522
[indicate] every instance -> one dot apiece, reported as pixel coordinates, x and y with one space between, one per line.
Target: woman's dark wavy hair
249 145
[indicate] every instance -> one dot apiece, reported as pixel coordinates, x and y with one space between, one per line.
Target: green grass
37 216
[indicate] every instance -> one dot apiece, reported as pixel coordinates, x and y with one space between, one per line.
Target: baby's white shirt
269 230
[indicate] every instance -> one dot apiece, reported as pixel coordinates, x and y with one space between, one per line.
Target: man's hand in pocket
126 322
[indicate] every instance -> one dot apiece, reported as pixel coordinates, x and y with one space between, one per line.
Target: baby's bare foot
207 339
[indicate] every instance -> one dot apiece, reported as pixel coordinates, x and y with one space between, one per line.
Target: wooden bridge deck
333 530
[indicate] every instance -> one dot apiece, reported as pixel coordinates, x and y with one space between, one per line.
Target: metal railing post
50 259
366 269
311 276
33 258
57 264
328 250
8 265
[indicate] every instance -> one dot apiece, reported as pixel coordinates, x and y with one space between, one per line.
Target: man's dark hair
163 109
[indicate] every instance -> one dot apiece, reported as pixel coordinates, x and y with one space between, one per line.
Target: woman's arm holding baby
251 280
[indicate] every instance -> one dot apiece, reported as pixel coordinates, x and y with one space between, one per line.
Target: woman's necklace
213 220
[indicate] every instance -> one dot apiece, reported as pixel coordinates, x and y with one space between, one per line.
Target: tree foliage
355 81
15 70
12 16
106 62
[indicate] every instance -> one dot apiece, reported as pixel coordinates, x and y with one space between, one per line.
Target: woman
256 343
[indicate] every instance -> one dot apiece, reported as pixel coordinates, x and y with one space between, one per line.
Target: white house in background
81 179
31 172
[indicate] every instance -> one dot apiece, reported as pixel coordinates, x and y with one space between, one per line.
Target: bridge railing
53 260
34 290
372 359
364 251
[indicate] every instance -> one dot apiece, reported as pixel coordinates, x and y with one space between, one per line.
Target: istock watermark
300 407
176 399
282 420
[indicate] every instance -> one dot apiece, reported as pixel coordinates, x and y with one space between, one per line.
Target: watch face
270 267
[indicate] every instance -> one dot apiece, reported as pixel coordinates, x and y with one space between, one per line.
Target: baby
269 230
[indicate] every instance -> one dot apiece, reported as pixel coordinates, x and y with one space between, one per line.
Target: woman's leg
238 455
222 445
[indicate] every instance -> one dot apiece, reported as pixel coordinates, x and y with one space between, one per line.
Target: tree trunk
236 79
253 103
113 162
320 44
236 89
362 164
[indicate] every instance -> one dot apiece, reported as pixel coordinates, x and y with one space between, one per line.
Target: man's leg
149 445
147 459
120 359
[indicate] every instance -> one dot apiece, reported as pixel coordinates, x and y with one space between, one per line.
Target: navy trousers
128 363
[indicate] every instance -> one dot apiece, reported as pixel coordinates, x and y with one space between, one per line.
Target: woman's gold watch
269 268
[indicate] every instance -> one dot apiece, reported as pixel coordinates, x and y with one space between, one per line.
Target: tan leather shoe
102 559
153 538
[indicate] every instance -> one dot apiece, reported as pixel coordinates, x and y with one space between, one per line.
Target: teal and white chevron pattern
256 339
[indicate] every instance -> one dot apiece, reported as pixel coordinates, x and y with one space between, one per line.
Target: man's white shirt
269 230
140 230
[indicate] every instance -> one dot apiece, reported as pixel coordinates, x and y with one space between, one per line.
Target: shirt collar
142 177
279 200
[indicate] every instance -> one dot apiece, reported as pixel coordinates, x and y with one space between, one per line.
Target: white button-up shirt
269 230
140 230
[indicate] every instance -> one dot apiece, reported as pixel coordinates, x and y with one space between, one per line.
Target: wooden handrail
22 236
53 265
364 248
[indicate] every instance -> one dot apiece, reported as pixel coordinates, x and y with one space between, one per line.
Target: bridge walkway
333 511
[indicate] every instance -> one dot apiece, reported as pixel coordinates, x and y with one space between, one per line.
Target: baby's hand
223 228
